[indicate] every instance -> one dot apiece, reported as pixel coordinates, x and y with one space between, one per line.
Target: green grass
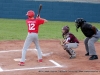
16 29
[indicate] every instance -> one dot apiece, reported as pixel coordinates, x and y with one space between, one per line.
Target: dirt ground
81 65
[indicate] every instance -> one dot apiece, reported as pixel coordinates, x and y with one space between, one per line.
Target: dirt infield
56 63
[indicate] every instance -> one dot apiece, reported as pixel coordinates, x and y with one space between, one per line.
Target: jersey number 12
31 26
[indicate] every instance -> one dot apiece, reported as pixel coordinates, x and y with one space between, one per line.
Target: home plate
18 59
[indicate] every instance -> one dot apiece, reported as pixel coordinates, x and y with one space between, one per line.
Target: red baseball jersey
33 25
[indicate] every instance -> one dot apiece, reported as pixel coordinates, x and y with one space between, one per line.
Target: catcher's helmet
30 13
66 28
79 22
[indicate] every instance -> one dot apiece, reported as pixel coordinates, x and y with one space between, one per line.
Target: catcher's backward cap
80 20
30 13
65 28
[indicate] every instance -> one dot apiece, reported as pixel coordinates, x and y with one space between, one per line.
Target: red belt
31 32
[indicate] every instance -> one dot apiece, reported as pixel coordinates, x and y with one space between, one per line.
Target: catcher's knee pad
65 47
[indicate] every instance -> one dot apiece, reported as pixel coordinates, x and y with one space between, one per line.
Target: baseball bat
39 10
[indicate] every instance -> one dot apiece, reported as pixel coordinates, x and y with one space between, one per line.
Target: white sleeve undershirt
67 39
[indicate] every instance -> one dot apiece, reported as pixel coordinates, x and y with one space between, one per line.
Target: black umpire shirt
86 28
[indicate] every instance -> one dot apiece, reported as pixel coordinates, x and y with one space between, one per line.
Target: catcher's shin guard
68 52
71 52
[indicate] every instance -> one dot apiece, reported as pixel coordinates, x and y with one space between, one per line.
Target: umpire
92 35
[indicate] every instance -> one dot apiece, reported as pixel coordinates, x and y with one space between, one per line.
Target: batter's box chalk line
18 59
55 63
43 54
23 69
1 70
35 50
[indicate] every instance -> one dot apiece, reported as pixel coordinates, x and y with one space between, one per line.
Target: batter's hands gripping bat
40 7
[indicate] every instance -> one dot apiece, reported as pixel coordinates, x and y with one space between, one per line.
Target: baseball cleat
72 57
40 60
21 64
87 54
93 57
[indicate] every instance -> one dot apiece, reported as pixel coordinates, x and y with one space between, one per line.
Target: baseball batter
92 35
69 42
33 27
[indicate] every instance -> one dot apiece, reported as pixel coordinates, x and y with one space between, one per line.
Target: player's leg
69 47
86 46
25 47
72 45
92 50
36 42
71 53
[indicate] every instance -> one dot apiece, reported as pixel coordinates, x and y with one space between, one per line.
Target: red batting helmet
30 13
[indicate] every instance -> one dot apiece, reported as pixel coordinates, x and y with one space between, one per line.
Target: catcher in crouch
69 42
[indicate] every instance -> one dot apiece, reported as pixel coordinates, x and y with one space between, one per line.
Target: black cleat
72 57
87 54
93 57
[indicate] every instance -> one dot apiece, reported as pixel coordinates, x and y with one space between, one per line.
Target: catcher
69 42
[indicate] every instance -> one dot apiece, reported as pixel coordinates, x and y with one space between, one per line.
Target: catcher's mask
66 30
79 22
